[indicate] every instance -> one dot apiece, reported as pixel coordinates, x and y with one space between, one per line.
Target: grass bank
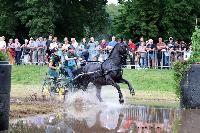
145 80
151 79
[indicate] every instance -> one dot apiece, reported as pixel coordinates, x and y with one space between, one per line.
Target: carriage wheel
46 89
65 91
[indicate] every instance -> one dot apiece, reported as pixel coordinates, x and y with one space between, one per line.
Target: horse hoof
132 93
101 100
121 101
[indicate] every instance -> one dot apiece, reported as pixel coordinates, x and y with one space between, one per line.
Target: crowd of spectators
161 54
144 54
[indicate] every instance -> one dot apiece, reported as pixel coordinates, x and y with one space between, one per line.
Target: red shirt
132 46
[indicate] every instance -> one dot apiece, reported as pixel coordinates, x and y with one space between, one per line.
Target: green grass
28 75
150 79
147 80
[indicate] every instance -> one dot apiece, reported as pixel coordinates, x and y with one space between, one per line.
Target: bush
181 67
196 46
3 56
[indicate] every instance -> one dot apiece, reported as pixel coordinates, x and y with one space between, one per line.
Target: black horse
108 72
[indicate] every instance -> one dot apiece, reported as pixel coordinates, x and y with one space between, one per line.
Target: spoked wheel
60 89
69 88
46 88
65 91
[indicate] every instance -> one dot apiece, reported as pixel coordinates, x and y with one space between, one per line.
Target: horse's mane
113 50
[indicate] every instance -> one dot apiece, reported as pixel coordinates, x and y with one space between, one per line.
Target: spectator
171 44
33 45
47 47
66 44
142 52
45 41
112 44
133 50
79 50
60 52
178 49
74 43
151 47
85 53
2 44
92 49
11 51
103 50
18 51
139 43
26 52
169 52
160 47
187 53
40 49
54 44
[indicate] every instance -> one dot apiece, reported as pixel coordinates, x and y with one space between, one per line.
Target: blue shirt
40 44
112 43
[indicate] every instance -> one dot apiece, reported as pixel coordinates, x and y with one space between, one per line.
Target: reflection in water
102 119
190 121
83 114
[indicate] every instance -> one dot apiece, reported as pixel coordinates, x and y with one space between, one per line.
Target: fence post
5 87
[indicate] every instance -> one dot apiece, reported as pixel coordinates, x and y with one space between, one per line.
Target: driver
70 63
54 64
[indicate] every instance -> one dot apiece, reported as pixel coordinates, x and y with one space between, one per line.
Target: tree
38 16
113 11
72 18
8 20
155 18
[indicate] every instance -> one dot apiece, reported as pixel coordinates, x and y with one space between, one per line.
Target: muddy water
84 114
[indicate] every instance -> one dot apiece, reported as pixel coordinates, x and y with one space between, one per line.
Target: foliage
8 20
156 18
196 46
180 70
25 18
37 17
113 11
176 125
3 56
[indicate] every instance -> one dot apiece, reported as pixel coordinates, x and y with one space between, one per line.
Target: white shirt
53 45
75 45
65 46
2 44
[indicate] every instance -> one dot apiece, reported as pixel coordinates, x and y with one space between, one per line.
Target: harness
102 71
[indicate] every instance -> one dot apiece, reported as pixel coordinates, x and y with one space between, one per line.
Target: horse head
124 51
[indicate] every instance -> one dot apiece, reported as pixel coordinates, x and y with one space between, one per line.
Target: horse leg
110 81
129 85
98 92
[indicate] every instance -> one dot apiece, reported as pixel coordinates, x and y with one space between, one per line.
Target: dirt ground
23 107
29 101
